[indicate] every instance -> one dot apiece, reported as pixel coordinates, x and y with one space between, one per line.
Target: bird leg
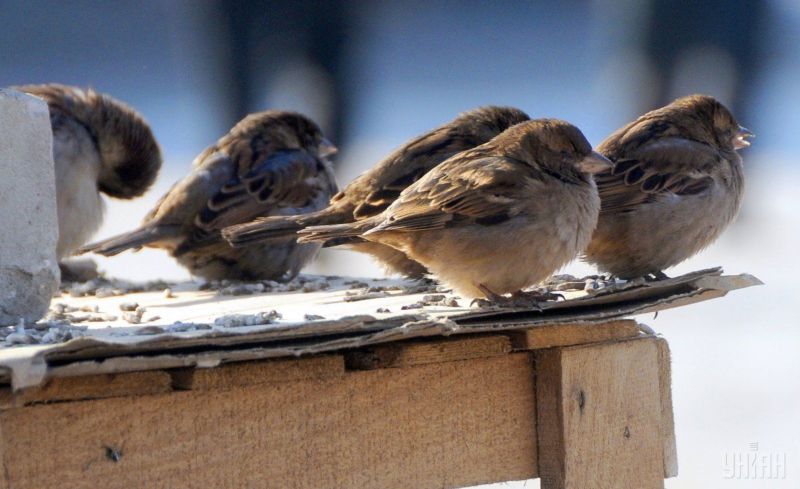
492 298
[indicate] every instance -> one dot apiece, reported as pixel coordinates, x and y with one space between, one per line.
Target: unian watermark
754 463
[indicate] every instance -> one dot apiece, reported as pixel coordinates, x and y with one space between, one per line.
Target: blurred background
377 73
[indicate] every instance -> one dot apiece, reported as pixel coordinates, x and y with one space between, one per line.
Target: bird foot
532 299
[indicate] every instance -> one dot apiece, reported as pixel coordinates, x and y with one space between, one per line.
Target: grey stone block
29 272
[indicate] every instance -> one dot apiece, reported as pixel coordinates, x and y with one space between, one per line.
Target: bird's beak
740 140
326 148
595 163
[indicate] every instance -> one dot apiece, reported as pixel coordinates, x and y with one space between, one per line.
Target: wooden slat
96 387
599 416
262 372
439 425
667 417
573 334
6 397
407 354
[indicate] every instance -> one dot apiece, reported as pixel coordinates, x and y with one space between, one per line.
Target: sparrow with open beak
497 218
676 184
270 163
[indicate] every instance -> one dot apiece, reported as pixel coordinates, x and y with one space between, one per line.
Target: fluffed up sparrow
270 163
676 184
497 218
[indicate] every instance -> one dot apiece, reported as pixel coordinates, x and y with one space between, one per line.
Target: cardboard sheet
186 326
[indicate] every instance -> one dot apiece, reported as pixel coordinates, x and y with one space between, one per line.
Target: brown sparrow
373 191
676 184
497 218
99 145
270 163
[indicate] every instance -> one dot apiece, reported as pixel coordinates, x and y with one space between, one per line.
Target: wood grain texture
440 425
599 413
411 353
96 387
667 417
259 372
549 336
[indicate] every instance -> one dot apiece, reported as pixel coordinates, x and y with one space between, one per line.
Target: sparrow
676 184
374 190
497 218
100 145
270 163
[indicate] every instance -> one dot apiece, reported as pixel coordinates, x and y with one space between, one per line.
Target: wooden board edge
562 335
426 351
667 415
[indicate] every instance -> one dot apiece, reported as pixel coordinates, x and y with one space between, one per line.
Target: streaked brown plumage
374 190
676 184
496 218
270 163
99 145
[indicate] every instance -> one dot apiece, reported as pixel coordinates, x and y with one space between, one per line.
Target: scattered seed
132 317
128 306
150 330
21 339
365 296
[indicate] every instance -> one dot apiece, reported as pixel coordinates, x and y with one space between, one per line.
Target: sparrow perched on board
372 192
270 163
496 218
677 182
100 145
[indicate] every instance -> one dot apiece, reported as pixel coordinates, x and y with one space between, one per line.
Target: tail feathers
344 240
335 233
274 228
262 229
134 239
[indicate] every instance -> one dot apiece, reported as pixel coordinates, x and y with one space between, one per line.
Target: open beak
595 163
740 140
326 148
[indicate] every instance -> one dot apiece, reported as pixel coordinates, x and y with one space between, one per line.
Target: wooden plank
667 417
96 387
599 416
259 372
440 425
411 353
550 336
6 397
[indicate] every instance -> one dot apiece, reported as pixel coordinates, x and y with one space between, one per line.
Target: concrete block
29 272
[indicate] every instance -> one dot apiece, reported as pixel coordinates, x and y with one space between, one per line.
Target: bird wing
404 167
284 178
667 165
484 190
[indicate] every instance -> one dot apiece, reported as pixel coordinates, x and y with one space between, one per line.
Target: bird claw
481 302
532 299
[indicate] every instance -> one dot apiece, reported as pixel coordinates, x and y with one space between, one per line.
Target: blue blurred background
375 74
